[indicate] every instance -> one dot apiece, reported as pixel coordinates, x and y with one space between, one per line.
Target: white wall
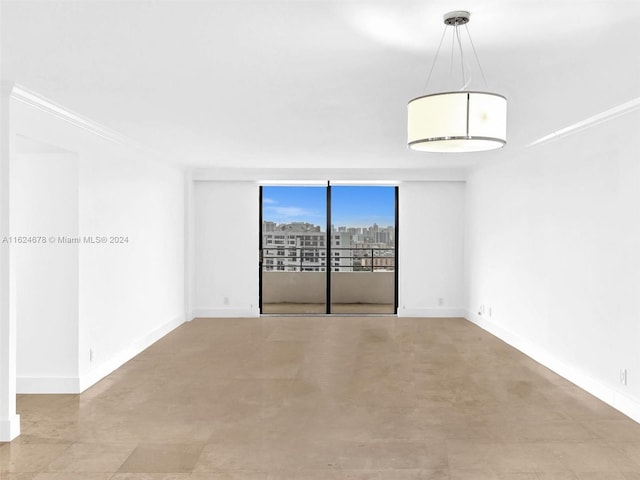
226 248
431 249
129 294
44 204
553 239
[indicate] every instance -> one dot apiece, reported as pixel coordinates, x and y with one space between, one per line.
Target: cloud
269 201
290 211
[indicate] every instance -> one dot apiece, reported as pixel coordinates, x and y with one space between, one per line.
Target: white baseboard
624 403
9 428
30 385
218 312
433 312
99 372
57 385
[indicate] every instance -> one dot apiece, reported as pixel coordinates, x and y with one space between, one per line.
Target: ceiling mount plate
458 17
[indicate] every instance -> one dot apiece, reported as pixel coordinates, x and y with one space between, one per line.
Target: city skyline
336 228
302 247
351 206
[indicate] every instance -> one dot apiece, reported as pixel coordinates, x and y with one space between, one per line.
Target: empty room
319 239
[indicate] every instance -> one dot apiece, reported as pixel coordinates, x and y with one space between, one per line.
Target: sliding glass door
293 249
363 249
350 271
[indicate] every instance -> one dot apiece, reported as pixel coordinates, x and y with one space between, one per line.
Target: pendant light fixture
462 120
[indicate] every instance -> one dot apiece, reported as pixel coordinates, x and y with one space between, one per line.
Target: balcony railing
309 259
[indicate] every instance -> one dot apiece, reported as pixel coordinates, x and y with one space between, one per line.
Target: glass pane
294 249
363 249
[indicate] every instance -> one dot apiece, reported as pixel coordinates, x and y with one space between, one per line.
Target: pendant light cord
456 37
476 55
436 58
457 34
453 49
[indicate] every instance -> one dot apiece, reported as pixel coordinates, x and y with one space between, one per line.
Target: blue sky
351 206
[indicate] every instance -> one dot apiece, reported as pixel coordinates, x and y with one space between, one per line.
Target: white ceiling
313 83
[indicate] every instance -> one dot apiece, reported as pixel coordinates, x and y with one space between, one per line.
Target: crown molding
35 100
589 122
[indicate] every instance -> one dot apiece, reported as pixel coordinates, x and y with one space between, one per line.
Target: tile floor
325 398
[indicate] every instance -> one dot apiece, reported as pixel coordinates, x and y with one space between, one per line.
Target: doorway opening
329 249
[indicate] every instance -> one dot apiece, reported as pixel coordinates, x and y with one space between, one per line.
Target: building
301 247
148 127
268 226
378 263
